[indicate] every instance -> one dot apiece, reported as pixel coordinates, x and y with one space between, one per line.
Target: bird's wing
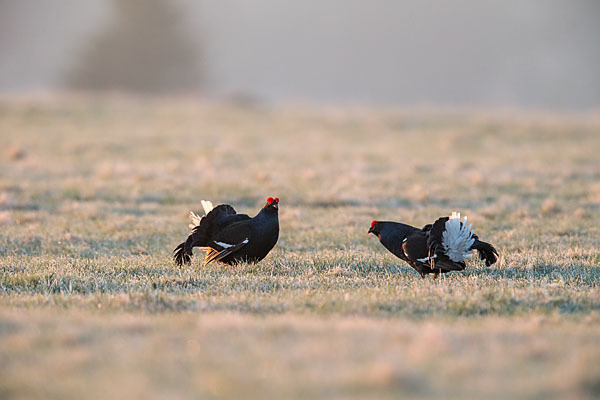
229 240
227 220
218 256
434 242
215 216
446 264
415 247
417 251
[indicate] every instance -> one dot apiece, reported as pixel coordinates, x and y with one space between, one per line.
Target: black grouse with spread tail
436 248
229 237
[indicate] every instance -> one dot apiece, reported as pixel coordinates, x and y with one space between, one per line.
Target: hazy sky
534 53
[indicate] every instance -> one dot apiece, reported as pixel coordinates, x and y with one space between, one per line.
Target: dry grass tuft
15 153
550 207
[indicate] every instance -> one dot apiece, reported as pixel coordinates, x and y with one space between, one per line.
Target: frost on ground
95 194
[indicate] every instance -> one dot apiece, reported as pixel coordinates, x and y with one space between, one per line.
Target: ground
95 194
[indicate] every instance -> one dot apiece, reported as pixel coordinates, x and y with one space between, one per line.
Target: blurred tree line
144 50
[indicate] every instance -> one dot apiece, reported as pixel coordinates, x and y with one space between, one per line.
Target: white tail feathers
195 220
207 206
458 238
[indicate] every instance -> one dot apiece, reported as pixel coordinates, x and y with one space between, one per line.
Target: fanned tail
196 219
458 238
207 206
453 241
202 228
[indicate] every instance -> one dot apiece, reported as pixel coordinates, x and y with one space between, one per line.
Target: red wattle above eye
373 223
276 199
270 200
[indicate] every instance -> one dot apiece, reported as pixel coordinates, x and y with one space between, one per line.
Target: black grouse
436 248
229 237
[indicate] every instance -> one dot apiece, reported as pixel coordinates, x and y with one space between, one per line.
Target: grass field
95 194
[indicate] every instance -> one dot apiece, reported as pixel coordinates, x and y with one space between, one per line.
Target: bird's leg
431 260
418 268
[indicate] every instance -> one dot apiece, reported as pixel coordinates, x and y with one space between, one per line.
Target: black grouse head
374 229
272 205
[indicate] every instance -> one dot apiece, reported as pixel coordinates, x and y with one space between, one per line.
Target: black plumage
436 248
229 237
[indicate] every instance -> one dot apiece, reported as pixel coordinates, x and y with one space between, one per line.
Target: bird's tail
457 238
181 255
196 219
486 252
202 229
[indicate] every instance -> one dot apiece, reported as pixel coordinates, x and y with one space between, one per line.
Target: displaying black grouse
436 248
229 237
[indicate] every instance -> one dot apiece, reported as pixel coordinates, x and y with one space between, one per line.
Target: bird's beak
370 231
275 206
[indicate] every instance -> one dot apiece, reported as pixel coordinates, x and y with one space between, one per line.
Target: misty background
530 54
